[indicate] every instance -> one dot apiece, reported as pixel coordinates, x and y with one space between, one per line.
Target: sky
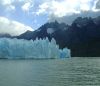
18 16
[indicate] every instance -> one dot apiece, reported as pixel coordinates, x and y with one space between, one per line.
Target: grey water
51 72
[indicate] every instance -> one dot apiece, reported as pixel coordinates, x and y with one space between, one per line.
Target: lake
51 72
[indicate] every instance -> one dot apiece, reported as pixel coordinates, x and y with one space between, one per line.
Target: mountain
45 30
85 37
82 37
5 35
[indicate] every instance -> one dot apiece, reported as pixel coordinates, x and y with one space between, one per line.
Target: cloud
10 7
8 4
58 8
98 4
69 19
62 8
42 8
28 4
12 27
28 10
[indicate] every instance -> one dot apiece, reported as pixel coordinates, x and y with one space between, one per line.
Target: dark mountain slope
82 37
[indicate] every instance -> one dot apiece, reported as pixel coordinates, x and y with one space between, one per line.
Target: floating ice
40 48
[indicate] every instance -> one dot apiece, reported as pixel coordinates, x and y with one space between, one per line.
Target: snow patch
50 30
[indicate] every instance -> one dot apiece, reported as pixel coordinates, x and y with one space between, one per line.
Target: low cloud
69 19
98 4
66 11
12 27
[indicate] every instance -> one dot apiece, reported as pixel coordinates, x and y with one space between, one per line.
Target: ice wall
40 48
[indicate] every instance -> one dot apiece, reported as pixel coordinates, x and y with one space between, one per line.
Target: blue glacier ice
40 48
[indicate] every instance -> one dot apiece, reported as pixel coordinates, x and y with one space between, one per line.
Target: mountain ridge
82 36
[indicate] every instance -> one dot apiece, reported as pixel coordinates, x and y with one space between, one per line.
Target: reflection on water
52 72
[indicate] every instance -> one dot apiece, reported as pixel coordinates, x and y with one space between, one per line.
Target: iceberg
37 49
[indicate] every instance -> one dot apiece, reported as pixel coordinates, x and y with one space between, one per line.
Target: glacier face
40 48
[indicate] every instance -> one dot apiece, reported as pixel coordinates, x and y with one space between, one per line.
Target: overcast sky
18 16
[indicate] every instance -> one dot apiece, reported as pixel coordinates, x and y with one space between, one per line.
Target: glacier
37 49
